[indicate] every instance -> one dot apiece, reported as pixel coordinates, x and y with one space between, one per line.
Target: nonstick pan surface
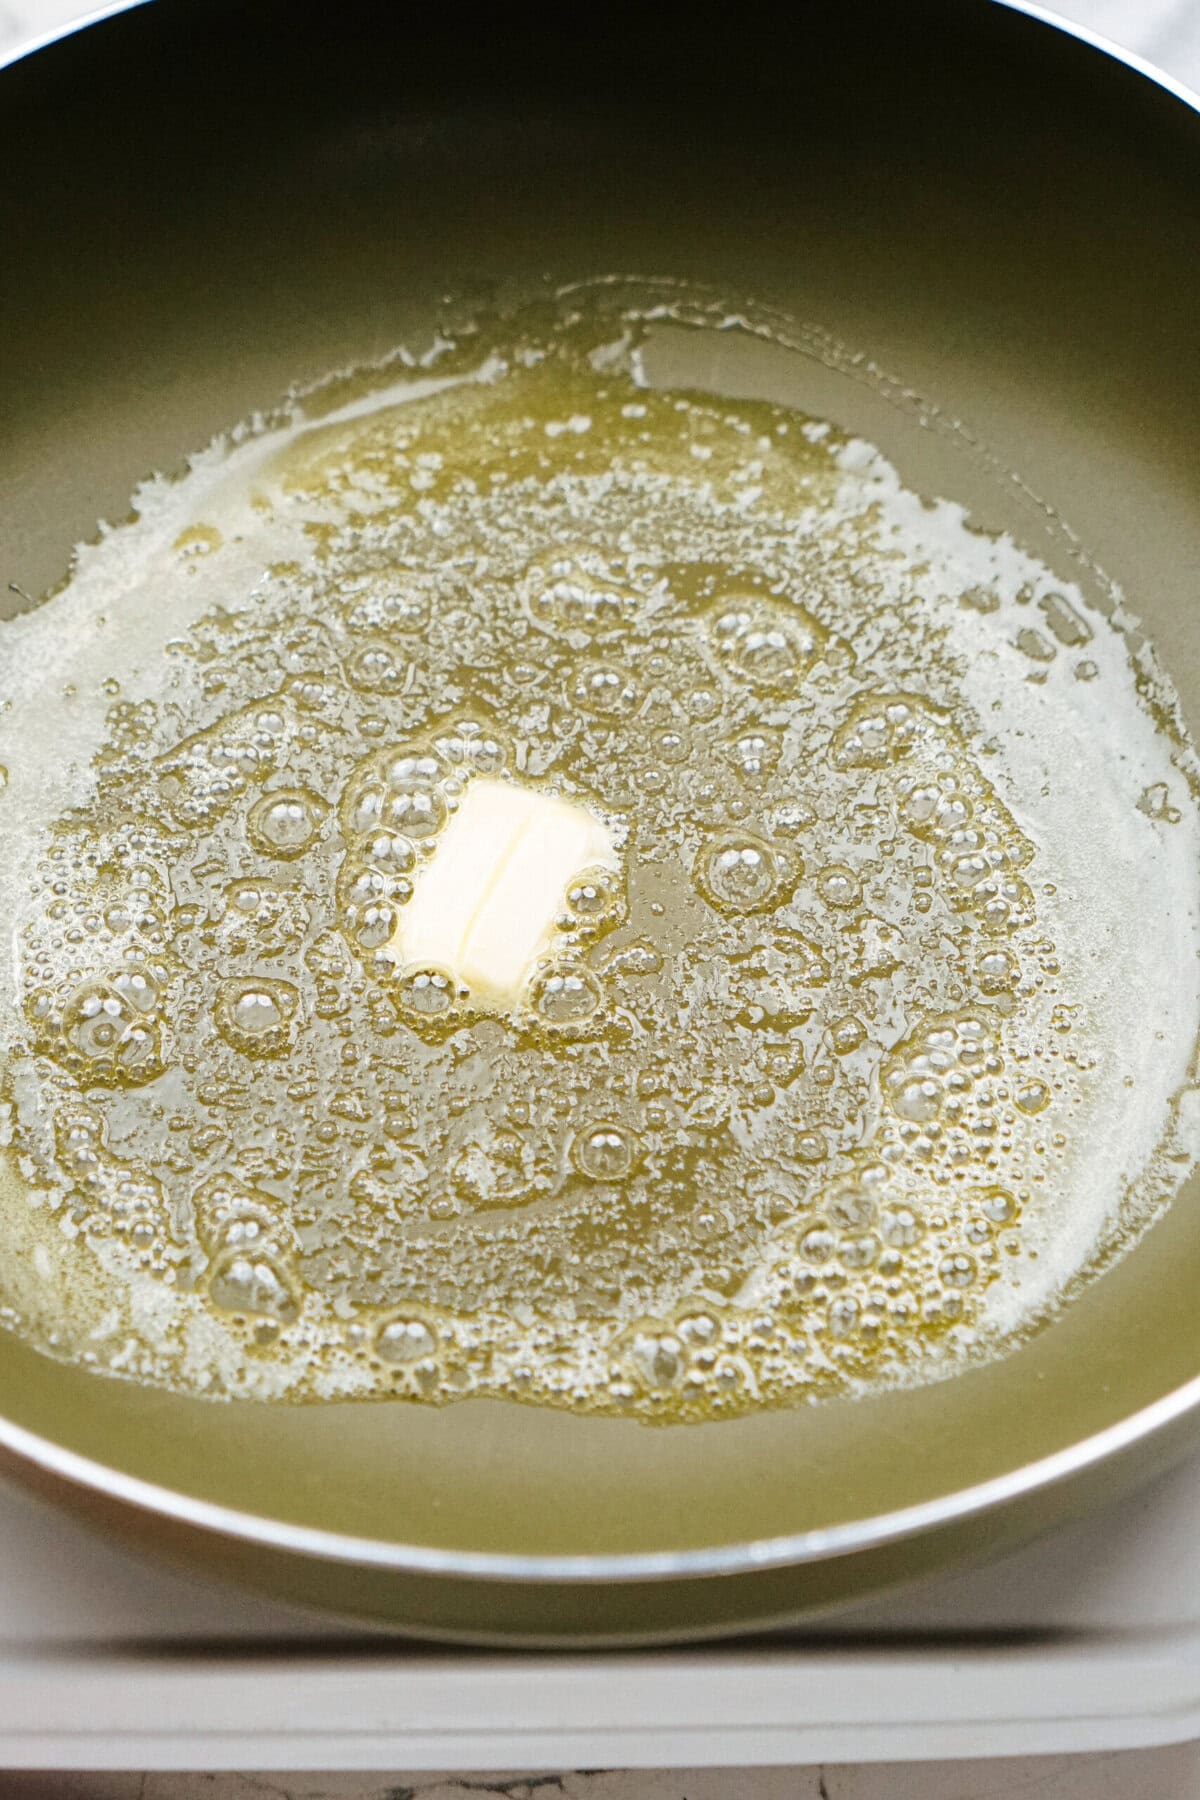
203 204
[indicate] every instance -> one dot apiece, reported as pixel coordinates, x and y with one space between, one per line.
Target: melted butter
793 1098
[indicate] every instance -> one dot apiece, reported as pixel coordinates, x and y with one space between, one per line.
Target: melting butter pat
484 908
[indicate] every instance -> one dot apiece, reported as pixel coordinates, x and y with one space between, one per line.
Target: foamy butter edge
1105 856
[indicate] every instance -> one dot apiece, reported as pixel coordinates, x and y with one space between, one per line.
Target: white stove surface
1086 1642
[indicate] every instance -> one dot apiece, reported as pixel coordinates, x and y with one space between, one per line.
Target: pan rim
814 1545
818 1544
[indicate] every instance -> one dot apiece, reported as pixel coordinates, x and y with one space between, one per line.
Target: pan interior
836 226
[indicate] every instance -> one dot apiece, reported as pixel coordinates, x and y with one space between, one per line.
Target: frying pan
205 202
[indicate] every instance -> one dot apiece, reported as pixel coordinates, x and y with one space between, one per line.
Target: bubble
1032 1096
957 1271
242 1283
843 1315
839 886
470 749
110 1027
374 669
362 804
739 874
1003 903
604 1153
404 1340
387 601
674 746
998 1206
703 704
919 1100
254 1015
899 1227
286 822
659 1359
604 692
565 996
360 885
754 755
818 1245
847 1035
96 1022
859 1252
998 971
374 926
881 730
573 602
246 897
425 993
388 853
417 813
412 771
771 646
935 812
596 896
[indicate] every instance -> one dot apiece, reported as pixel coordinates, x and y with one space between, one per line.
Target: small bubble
604 1153
471 749
998 971
771 647
843 1316
742 874
673 746
573 602
604 692
918 1100
286 823
388 853
404 1340
417 813
899 1227
847 1035
839 886
699 1328
426 993
373 669
1032 1096
565 996
660 1359
253 1015
109 1025
999 1207
957 1271
595 896
818 1245
241 1283
755 755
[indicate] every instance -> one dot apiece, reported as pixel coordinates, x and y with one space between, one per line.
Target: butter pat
484 908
